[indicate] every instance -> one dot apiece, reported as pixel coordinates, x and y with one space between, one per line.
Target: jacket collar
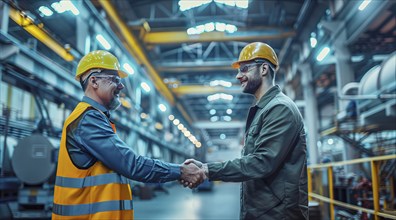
268 96
96 105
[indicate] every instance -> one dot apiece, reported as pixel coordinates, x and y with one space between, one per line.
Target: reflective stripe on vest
90 180
85 209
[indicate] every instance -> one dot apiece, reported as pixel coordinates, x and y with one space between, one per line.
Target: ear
264 69
93 81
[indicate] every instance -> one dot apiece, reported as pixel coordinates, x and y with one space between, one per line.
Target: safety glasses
245 68
114 79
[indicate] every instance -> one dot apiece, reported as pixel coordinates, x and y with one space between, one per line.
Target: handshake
192 173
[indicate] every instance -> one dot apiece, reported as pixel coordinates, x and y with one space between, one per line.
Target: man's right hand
191 175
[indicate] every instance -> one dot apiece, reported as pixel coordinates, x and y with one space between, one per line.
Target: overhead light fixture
229 111
233 3
323 53
227 118
190 4
220 83
313 42
176 121
65 5
158 126
145 86
212 111
162 107
128 68
106 45
214 118
171 117
222 136
187 134
364 4
45 11
211 26
198 144
217 96
180 126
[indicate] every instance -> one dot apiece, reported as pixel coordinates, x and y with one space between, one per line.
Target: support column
344 75
310 112
4 8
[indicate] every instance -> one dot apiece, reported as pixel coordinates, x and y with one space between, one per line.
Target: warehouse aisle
220 203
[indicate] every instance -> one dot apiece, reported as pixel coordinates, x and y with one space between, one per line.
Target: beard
114 104
252 84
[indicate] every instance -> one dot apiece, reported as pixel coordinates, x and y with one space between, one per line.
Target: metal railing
374 162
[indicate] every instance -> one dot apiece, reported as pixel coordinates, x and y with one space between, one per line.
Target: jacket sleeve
98 138
275 139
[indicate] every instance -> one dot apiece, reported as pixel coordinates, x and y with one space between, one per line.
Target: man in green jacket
272 168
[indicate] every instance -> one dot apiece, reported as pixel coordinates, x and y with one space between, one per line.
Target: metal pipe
364 97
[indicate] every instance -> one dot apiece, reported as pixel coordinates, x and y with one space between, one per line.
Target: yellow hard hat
99 59
257 50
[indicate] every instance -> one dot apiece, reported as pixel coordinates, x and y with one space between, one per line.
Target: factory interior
337 62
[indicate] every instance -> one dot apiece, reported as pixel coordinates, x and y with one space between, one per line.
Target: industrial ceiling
184 68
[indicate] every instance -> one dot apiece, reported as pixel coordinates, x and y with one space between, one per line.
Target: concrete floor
181 203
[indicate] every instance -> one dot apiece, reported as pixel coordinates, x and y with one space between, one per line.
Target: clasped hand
192 173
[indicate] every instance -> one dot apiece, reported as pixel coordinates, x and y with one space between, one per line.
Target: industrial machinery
380 82
34 164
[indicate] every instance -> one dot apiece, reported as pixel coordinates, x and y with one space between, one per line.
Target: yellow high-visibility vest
93 193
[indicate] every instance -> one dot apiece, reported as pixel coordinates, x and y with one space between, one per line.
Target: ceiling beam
197 66
177 37
39 33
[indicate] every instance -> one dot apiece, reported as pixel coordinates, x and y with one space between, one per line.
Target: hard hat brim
122 74
235 65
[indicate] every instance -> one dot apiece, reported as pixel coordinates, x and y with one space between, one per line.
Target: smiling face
249 77
108 90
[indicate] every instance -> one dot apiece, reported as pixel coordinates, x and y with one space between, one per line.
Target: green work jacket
272 168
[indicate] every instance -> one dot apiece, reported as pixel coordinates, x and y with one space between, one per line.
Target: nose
238 75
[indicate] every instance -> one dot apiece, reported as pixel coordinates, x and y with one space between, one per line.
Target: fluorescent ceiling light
220 83
325 51
212 111
162 107
176 121
187 133
214 118
45 11
212 26
106 45
313 42
220 96
227 118
128 68
364 4
209 27
70 6
189 4
145 86
65 5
